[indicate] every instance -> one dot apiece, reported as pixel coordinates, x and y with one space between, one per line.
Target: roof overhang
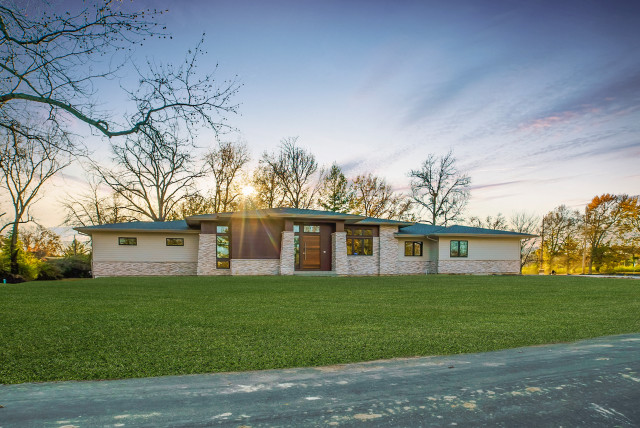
90 231
225 217
488 235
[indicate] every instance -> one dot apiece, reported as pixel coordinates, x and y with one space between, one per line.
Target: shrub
49 272
78 266
28 265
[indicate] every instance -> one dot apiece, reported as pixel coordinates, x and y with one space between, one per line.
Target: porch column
287 254
388 250
339 253
207 254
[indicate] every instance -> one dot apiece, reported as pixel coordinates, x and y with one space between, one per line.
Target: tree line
604 237
155 177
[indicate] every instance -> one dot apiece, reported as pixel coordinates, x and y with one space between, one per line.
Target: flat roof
408 229
140 226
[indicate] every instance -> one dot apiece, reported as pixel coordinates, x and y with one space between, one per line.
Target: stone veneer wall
207 256
365 265
412 267
388 250
255 266
143 268
431 267
339 263
479 266
287 254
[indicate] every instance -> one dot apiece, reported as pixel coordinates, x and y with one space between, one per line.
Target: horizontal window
222 229
127 241
459 249
311 229
358 231
413 248
222 264
175 242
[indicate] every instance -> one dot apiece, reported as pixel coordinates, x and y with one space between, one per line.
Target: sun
248 190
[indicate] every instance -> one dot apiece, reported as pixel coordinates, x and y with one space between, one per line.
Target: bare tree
294 169
269 193
225 163
154 173
93 207
25 166
51 63
334 194
499 222
440 188
373 197
523 222
192 204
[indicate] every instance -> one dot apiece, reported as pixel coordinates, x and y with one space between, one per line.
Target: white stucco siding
483 248
429 250
151 247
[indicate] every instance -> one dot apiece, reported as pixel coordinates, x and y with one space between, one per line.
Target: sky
539 101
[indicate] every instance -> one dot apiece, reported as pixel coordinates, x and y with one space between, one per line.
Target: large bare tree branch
50 64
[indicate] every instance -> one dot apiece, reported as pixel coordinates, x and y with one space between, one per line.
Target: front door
310 249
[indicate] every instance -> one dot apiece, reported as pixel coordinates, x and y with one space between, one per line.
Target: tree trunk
13 249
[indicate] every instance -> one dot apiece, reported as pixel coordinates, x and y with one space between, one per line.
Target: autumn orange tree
603 220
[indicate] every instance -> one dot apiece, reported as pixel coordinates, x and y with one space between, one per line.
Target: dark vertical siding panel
208 227
325 245
256 238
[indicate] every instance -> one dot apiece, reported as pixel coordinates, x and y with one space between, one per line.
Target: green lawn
133 327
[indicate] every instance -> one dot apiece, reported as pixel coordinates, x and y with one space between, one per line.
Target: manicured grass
134 327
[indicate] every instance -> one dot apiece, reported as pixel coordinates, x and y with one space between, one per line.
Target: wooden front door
310 249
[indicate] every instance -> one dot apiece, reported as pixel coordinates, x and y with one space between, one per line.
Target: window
359 241
413 248
175 242
127 241
459 248
296 228
311 229
223 247
296 247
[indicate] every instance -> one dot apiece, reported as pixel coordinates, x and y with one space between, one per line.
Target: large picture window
359 241
127 241
223 247
459 249
413 248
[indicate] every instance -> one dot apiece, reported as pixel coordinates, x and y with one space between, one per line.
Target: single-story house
289 241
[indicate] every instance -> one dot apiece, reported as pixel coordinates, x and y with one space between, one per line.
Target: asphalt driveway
588 383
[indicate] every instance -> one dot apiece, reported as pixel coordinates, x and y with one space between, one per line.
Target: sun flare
248 190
